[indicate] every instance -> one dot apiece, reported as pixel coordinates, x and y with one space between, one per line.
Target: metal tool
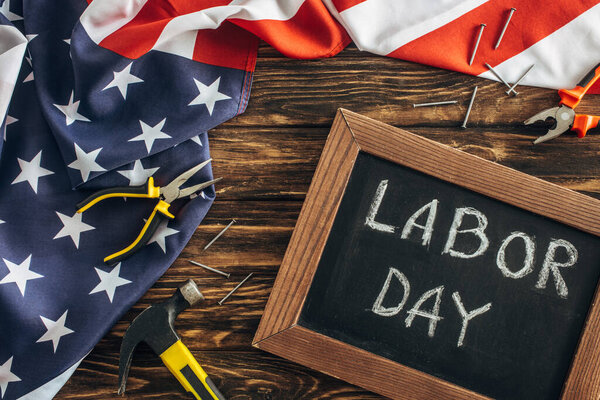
519 80
464 124
234 289
497 75
154 326
233 221
166 195
512 11
437 103
564 116
482 26
210 269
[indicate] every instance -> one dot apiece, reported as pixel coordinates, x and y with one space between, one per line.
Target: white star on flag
86 162
71 111
208 95
6 376
73 227
9 120
19 274
55 330
197 140
150 134
122 79
138 175
31 171
30 76
32 36
2 222
109 281
161 234
67 41
5 9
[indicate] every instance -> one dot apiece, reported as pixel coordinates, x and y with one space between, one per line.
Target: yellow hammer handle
189 373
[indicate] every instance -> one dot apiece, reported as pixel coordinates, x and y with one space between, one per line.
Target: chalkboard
419 271
519 347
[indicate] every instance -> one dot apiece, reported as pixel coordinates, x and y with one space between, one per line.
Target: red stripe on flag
311 33
228 46
341 5
137 37
530 23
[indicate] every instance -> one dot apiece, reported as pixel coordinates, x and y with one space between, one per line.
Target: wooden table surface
267 156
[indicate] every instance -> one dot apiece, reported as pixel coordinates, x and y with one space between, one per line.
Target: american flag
110 92
560 37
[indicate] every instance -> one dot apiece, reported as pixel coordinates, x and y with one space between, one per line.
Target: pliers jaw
563 117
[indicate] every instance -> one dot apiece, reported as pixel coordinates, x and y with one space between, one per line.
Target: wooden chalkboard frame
350 133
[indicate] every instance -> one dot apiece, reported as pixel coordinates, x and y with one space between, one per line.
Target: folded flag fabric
560 37
84 117
104 93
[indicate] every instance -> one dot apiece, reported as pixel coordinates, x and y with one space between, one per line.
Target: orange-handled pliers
564 115
166 195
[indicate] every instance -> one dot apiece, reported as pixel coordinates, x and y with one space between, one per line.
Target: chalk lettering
478 231
551 265
391 311
527 262
370 220
428 227
467 316
433 315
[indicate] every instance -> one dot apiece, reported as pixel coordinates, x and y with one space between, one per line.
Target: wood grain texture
268 156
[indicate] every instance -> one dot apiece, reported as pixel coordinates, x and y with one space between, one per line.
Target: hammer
155 327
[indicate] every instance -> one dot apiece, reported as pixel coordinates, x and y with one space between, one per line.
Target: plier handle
564 115
160 213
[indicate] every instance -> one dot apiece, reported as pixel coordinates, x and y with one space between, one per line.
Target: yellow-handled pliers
166 195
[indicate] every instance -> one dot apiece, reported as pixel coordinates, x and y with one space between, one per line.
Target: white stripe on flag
12 49
561 59
103 17
179 35
382 26
49 390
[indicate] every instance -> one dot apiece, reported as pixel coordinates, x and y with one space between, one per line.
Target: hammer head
154 326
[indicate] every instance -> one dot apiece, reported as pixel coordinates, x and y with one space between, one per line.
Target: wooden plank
248 375
279 162
300 92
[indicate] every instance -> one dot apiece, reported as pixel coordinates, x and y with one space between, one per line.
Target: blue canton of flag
82 117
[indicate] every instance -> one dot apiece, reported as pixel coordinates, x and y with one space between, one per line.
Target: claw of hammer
155 326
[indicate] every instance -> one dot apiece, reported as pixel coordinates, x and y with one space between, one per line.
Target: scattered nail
210 268
512 11
497 75
464 125
234 289
219 234
477 43
519 80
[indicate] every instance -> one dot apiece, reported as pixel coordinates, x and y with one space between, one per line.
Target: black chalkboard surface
419 271
533 293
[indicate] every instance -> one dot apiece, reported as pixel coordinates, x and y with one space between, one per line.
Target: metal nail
210 269
497 75
519 80
477 43
219 234
234 289
438 103
464 125
512 11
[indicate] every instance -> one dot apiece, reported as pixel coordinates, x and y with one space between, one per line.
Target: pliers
166 195
564 115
